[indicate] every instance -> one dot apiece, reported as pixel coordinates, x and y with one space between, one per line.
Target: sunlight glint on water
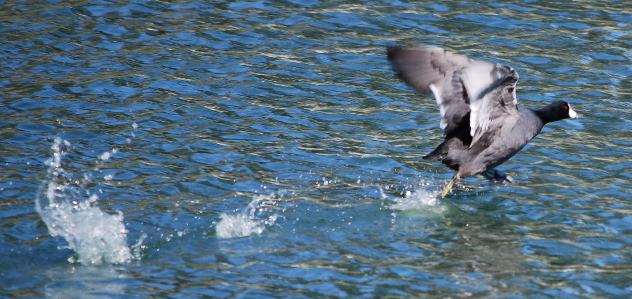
71 212
216 103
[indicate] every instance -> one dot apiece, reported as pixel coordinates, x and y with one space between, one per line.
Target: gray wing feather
431 69
460 86
420 67
492 96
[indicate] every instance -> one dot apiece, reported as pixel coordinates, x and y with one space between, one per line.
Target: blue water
265 149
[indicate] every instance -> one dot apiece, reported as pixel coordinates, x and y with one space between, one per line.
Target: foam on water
419 198
248 222
70 211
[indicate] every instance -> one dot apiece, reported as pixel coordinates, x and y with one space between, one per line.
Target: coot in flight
482 122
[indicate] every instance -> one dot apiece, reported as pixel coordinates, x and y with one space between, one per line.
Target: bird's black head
556 111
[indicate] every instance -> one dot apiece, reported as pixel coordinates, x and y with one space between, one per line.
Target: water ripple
265 149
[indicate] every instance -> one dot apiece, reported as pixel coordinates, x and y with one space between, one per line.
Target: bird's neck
544 114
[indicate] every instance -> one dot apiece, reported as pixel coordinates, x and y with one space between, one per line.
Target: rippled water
264 149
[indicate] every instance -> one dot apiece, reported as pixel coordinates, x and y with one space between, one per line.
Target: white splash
248 222
238 225
70 211
420 198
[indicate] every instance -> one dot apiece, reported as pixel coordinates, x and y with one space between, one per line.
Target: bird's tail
436 155
441 153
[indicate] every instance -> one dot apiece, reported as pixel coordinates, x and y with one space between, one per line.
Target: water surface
264 149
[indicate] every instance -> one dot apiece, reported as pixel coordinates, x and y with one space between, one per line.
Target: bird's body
483 124
491 150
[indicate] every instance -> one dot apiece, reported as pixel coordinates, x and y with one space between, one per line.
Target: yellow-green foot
450 184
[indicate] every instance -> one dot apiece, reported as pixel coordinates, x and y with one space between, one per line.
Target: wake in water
70 211
419 198
250 221
261 211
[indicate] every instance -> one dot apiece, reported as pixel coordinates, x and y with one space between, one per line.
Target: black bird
482 122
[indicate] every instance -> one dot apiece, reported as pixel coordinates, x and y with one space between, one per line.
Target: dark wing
427 70
460 86
420 67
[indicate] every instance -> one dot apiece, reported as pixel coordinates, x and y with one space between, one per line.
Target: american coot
482 122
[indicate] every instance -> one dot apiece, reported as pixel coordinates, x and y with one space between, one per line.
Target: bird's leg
496 175
450 184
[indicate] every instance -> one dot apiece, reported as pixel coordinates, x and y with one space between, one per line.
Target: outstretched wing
492 97
461 86
420 67
430 69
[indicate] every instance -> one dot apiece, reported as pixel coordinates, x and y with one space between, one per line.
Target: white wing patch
436 91
479 80
480 117
477 77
